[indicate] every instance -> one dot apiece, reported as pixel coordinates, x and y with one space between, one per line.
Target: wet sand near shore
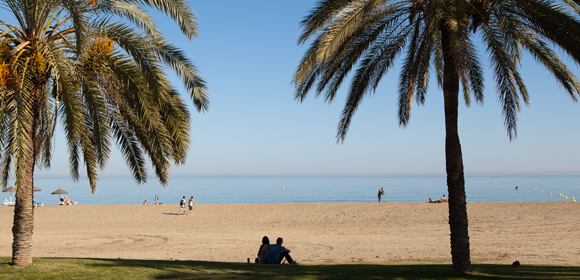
317 233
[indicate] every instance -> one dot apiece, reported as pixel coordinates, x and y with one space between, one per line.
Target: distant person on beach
263 251
432 201
156 200
381 193
182 206
145 203
191 203
277 253
443 199
68 201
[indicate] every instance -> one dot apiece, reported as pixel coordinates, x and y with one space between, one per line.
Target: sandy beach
317 233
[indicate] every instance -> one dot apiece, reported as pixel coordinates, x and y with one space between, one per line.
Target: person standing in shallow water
381 193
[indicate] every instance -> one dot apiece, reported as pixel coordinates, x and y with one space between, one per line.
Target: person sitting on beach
277 253
432 201
443 199
145 203
68 202
263 251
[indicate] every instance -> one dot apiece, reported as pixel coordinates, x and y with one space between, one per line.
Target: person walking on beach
381 193
191 203
277 252
182 206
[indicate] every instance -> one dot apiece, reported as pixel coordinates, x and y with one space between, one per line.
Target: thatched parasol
10 190
59 192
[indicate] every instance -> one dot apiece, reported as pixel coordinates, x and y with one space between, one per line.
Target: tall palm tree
439 36
98 67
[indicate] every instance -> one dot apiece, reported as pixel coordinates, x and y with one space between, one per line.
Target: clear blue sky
247 52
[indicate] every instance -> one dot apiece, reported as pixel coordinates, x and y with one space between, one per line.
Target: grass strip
56 268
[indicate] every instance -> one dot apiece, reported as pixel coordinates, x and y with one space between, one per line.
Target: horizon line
306 176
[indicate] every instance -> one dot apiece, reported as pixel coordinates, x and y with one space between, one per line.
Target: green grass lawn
154 269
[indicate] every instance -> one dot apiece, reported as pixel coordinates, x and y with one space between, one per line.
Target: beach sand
317 233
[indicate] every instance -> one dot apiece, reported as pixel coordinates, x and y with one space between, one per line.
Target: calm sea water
318 189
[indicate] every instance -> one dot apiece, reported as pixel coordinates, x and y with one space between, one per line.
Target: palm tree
98 67
440 36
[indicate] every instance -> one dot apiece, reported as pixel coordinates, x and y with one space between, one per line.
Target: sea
224 190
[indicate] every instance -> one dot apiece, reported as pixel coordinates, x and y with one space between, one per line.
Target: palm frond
176 120
179 11
344 24
380 43
79 22
180 64
504 70
408 77
130 148
307 72
544 55
540 16
134 14
319 17
137 47
98 113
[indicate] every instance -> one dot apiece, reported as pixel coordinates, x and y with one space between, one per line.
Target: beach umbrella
59 192
10 190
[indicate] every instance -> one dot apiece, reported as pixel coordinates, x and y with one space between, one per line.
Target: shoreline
278 203
317 233
308 190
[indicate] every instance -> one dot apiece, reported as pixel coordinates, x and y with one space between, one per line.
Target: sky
247 53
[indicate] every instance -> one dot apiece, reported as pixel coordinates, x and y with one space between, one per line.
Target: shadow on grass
155 269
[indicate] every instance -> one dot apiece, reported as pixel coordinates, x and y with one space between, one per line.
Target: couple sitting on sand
274 253
438 201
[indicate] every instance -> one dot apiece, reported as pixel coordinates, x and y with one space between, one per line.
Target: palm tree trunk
24 215
23 226
454 160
